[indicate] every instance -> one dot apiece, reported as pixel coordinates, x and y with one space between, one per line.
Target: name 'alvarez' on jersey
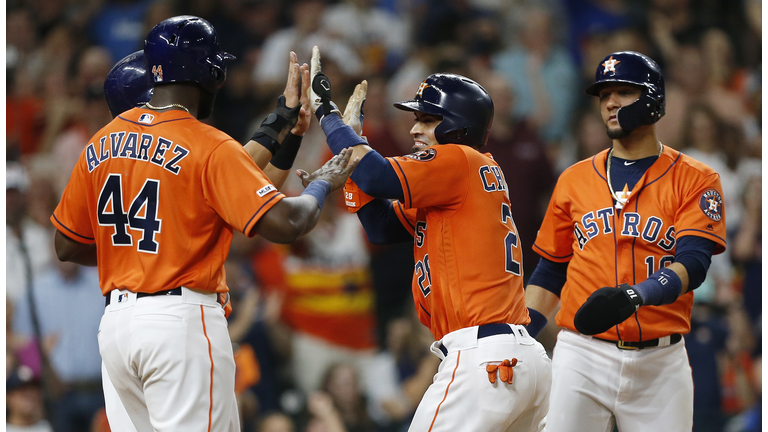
152 181
677 196
468 256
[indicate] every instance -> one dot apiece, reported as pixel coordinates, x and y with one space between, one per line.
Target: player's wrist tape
318 189
663 287
277 126
537 324
285 156
338 135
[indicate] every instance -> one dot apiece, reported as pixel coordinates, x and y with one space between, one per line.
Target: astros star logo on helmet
423 86
610 65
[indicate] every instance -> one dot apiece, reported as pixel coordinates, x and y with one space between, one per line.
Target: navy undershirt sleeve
695 254
338 135
376 177
381 224
550 275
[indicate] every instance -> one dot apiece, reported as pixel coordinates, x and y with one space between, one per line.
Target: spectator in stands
542 75
24 402
69 307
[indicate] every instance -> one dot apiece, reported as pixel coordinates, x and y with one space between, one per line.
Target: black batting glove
320 90
606 308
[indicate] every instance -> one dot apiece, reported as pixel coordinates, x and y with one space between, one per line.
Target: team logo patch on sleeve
424 155
265 190
711 203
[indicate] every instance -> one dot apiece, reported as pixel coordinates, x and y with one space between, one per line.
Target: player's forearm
260 155
541 299
276 176
68 250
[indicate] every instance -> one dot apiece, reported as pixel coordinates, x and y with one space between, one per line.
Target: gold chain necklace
620 202
169 106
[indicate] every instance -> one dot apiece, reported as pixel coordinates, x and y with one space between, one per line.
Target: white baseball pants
462 399
170 360
595 384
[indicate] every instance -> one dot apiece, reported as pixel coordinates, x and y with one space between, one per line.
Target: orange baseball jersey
160 194
468 256
677 196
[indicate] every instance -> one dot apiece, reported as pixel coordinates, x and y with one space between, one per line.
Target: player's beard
617 133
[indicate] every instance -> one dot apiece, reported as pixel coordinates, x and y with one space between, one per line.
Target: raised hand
320 90
335 171
353 113
296 92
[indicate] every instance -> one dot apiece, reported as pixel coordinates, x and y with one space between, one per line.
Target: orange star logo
423 86
610 65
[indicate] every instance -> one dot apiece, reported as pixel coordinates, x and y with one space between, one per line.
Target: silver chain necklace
169 106
619 202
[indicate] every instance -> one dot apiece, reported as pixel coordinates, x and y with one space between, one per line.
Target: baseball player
273 146
452 202
627 237
153 201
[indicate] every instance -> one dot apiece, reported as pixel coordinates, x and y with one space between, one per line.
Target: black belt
486 330
174 292
673 339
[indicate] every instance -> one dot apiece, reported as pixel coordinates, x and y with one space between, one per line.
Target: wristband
537 324
285 156
318 189
278 124
663 287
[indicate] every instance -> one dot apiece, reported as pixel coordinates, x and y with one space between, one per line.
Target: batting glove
320 90
606 308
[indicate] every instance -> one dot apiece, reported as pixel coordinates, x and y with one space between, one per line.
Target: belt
174 292
660 342
486 330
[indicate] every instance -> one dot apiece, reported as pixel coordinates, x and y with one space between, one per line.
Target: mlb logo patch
146 118
122 297
265 190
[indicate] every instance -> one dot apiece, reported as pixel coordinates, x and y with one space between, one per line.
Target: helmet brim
594 88
420 106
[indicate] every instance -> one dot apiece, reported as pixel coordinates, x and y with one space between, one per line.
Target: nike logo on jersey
631 225
628 163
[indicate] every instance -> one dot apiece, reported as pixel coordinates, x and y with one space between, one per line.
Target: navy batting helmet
127 85
466 108
186 49
633 68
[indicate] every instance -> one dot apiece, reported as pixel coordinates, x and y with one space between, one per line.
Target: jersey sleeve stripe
58 222
703 232
403 217
407 186
542 251
258 212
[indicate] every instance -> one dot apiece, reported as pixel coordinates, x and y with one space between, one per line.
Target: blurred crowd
325 331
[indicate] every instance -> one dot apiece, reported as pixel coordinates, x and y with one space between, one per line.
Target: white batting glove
320 90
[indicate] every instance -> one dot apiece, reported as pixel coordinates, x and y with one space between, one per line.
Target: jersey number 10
146 199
